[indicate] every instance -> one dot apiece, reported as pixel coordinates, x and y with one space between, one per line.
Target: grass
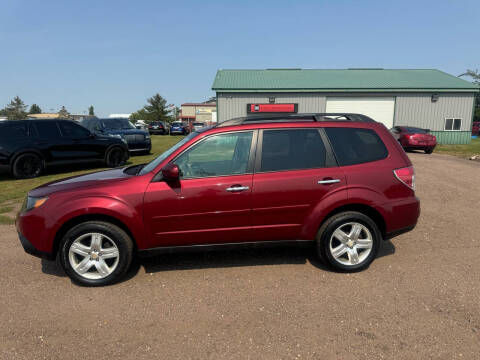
463 151
15 190
6 220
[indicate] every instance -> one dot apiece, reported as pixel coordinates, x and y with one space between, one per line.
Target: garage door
380 109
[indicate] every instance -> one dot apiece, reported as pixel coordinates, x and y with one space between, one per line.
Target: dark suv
28 146
340 182
137 140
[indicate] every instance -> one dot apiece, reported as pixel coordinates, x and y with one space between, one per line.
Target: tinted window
47 130
217 155
13 130
73 131
118 124
292 149
414 130
356 146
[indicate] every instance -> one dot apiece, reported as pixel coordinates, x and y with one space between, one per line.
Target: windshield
118 124
154 163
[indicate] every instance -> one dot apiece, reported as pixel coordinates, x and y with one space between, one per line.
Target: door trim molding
222 246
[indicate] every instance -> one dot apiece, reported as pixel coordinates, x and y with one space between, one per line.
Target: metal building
425 98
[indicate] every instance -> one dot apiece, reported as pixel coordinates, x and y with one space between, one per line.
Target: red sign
272 108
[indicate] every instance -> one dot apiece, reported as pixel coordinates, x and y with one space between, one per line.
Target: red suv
340 182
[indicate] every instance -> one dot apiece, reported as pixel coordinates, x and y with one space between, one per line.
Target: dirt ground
418 300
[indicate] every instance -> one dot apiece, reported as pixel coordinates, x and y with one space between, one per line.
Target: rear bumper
419 147
401 216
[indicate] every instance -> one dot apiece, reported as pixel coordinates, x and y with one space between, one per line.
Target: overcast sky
115 54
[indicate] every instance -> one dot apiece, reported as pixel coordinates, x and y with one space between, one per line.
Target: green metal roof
345 80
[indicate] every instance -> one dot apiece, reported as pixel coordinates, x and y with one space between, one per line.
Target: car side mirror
171 172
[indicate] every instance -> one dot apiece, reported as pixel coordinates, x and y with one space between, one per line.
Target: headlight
33 202
147 136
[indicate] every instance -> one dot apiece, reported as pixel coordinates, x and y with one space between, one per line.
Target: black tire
428 151
115 157
27 166
325 234
112 232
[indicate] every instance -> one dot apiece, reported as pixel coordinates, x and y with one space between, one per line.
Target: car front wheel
348 241
96 253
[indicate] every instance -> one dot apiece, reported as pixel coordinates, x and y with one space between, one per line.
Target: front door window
217 155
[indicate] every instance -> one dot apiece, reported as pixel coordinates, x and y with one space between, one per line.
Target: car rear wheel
428 151
115 157
27 166
348 241
96 253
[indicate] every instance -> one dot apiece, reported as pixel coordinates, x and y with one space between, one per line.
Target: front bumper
30 249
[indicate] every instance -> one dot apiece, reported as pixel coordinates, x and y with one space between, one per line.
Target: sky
115 54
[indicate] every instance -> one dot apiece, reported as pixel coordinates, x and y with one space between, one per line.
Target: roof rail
316 117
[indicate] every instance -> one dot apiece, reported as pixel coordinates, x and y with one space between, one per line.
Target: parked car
340 184
198 125
476 128
158 127
412 138
178 128
137 140
140 124
27 147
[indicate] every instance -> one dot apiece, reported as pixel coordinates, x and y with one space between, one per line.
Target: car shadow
222 259
244 257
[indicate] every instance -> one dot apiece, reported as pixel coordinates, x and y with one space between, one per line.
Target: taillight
406 175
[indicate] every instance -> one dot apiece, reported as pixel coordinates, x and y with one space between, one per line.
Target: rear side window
356 146
13 130
47 130
73 131
292 149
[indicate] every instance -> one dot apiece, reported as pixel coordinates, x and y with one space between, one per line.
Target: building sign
272 108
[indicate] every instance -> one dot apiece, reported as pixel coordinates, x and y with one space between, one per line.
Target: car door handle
237 188
328 181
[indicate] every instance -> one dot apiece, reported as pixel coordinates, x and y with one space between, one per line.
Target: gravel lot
419 299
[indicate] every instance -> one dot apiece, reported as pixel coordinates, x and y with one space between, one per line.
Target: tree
141 115
475 75
35 109
16 110
155 110
91 111
63 113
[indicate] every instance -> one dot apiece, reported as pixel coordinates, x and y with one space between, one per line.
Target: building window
453 124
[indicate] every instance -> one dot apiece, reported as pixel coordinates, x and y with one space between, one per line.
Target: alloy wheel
93 256
351 243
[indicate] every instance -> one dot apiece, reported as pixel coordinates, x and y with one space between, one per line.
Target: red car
339 182
413 138
476 128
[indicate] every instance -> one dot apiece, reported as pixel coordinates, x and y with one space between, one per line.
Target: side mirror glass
171 172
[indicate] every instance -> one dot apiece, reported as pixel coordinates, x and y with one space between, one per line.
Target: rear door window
356 146
292 149
47 130
73 131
